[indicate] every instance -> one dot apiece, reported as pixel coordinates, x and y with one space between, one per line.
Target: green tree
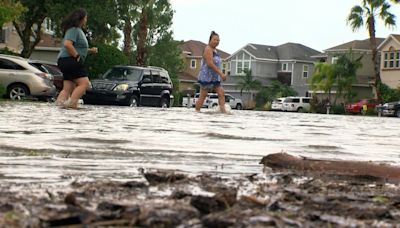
10 10
107 57
155 19
366 15
248 83
323 78
346 74
274 90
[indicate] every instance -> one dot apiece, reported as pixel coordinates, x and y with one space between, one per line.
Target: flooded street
41 143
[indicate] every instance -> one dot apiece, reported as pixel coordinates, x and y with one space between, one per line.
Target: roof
183 76
395 37
195 48
355 45
287 51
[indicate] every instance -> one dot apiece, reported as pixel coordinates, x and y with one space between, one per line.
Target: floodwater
41 143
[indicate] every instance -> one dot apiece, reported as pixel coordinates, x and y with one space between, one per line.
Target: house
192 53
47 49
290 63
390 61
365 74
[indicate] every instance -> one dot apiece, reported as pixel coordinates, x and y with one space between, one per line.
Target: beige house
390 61
192 53
47 49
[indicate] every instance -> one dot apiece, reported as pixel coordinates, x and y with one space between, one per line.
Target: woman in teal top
71 58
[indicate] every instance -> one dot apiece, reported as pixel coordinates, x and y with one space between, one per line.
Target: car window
213 96
296 100
122 74
7 64
288 100
147 74
164 77
156 77
306 100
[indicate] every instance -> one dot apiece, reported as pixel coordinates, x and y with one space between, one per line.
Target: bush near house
388 94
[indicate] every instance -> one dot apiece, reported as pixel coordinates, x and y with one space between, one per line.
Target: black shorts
71 68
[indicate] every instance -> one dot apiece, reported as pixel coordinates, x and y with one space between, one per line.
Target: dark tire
397 113
164 103
134 101
300 109
18 92
214 105
239 107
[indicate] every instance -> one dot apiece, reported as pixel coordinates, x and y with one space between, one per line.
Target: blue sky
319 24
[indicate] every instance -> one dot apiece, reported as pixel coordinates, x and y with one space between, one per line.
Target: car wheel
397 113
18 92
239 107
214 105
300 109
164 103
133 102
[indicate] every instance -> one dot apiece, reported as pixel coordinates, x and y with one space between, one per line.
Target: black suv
132 86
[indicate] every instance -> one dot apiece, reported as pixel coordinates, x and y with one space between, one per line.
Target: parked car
277 104
296 104
50 68
212 101
391 109
132 86
21 79
235 103
357 107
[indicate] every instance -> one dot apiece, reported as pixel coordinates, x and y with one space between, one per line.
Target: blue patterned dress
207 77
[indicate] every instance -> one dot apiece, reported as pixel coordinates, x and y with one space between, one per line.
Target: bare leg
221 98
81 86
68 87
200 101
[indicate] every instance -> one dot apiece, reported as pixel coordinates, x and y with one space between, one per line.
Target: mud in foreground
170 199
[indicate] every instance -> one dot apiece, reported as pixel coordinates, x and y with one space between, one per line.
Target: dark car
131 86
391 109
50 68
358 107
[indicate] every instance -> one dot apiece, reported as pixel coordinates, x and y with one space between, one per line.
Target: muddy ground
172 199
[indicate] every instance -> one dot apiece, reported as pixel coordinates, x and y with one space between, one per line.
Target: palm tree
323 78
143 24
247 83
366 15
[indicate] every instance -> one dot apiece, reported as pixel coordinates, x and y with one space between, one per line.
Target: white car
296 104
234 103
22 79
277 104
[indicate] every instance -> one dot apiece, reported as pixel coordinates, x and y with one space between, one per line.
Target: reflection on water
43 143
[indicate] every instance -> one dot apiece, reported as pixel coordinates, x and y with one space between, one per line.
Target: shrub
107 57
338 109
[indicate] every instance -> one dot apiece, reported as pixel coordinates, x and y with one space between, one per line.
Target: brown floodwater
41 143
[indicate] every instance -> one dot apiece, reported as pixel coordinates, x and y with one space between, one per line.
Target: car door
157 87
146 88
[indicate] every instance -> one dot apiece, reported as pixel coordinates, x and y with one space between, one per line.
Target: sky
318 24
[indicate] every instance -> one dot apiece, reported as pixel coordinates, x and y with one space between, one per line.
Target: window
224 68
242 63
156 77
391 59
334 59
7 64
305 71
192 64
285 67
48 26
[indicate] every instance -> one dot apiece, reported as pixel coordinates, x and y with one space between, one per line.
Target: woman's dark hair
213 34
73 19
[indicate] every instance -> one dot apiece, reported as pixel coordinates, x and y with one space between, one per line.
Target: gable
393 41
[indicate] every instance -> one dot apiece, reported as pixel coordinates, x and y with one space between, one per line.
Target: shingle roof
49 41
288 51
196 48
356 44
186 77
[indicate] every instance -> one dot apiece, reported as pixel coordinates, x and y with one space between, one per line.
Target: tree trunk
128 39
375 60
142 36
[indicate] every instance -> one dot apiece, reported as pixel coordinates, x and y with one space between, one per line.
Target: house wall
390 77
300 83
12 40
45 55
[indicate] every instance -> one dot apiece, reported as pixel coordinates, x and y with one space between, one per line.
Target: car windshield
122 74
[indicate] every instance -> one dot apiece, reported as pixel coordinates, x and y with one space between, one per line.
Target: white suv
22 79
296 104
212 101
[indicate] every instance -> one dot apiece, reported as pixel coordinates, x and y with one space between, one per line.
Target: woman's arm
208 56
69 45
